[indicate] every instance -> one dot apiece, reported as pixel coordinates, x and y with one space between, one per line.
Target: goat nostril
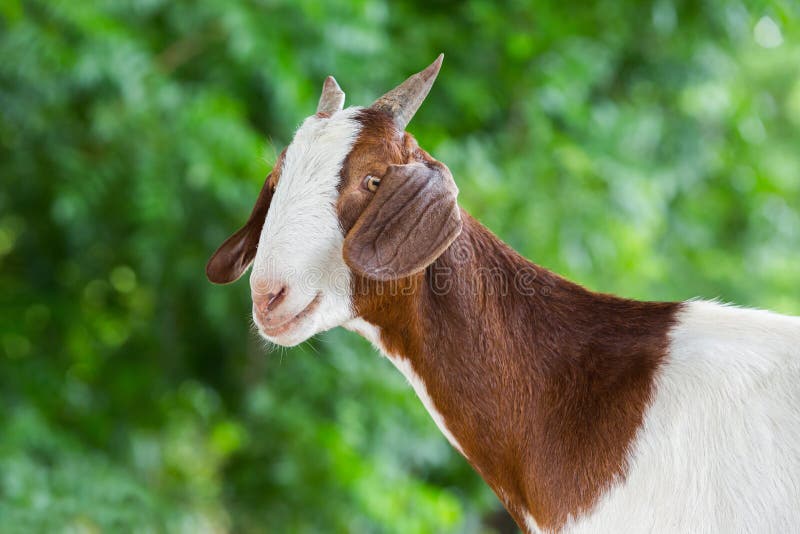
268 296
273 299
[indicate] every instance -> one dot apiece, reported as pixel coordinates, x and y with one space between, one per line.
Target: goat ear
411 220
235 255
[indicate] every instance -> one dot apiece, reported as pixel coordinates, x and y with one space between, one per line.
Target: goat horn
403 101
332 98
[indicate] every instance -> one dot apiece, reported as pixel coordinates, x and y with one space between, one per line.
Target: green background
649 149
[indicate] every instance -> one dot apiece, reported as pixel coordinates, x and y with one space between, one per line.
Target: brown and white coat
584 412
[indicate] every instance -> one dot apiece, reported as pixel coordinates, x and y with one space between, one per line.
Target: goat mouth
276 331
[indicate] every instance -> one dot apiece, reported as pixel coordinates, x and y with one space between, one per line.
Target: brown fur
542 382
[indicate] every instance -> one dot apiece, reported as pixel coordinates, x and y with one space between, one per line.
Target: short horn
332 98
403 101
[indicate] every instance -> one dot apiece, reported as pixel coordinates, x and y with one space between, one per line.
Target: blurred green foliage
644 148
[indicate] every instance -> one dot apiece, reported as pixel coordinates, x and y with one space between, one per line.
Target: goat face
352 202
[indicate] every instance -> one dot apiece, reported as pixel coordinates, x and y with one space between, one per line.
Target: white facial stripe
301 241
302 221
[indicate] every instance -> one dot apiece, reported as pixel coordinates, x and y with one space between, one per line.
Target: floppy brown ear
235 255
410 221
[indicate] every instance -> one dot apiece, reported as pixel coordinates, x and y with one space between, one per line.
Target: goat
584 412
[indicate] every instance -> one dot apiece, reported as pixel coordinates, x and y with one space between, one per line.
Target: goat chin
323 312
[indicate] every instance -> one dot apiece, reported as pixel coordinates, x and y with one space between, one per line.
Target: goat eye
372 183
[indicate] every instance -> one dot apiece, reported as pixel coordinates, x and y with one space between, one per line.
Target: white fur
530 524
301 242
373 335
719 450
